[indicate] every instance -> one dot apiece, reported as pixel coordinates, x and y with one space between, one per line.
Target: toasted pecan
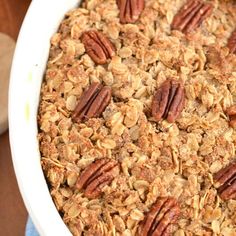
164 212
226 178
98 46
130 10
96 176
92 102
168 101
191 15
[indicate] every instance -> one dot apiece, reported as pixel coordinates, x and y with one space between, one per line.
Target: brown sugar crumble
137 118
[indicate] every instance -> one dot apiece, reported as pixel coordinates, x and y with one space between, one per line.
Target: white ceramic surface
29 62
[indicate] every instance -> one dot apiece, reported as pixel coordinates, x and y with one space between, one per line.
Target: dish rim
24 93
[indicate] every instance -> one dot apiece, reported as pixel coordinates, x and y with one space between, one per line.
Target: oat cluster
145 164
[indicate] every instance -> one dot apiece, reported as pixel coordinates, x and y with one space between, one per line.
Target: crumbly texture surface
156 158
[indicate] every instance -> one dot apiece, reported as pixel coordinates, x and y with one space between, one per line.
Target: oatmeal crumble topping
111 171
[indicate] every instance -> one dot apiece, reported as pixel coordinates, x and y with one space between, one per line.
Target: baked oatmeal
137 118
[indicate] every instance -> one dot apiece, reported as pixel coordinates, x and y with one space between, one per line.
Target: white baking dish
30 59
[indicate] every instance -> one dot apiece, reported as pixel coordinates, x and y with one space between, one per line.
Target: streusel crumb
156 159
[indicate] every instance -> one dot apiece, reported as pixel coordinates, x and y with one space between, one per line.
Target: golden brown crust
156 159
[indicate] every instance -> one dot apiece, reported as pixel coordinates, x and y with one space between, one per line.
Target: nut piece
191 15
159 219
96 176
130 10
232 42
231 112
98 46
168 102
92 102
226 178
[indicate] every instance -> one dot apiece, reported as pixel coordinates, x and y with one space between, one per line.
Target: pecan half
191 15
130 10
92 102
232 42
159 219
96 176
231 112
226 178
98 46
168 101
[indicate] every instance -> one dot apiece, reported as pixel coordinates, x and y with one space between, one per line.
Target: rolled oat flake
7 46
